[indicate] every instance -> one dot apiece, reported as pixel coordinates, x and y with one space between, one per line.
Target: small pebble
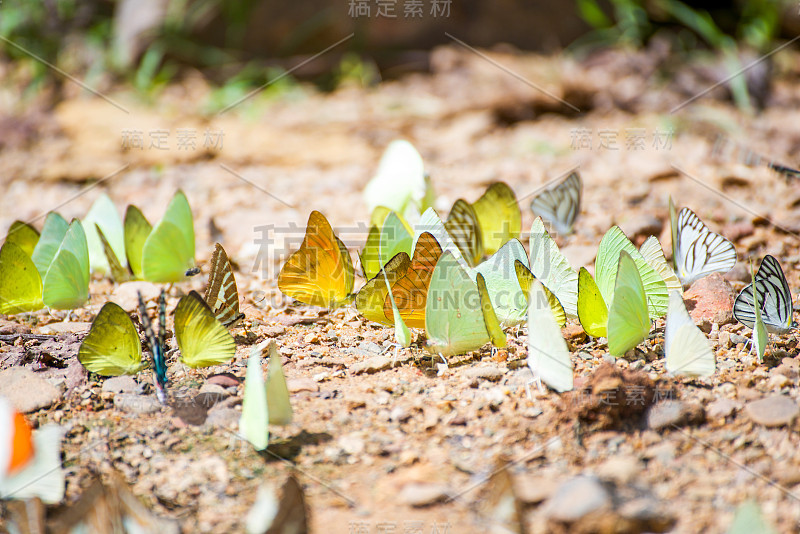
777 410
141 404
419 494
121 384
576 498
372 365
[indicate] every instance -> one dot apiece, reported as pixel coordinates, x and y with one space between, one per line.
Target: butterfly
321 272
526 279
560 204
287 516
402 334
156 343
548 355
112 347
371 298
20 282
550 266
499 216
103 217
774 299
749 518
400 183
221 294
685 346
431 223
628 317
65 283
385 240
30 460
137 230
264 403
410 292
202 339
23 235
462 225
453 322
168 251
696 250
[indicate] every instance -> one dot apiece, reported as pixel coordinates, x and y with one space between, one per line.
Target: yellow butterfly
411 291
321 272
371 298
462 225
499 216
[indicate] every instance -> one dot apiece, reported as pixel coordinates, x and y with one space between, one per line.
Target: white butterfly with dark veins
696 250
560 204
774 298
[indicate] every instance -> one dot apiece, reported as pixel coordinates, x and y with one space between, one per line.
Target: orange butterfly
321 272
411 291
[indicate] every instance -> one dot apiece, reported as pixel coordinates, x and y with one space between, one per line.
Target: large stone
674 412
576 498
772 411
710 300
27 391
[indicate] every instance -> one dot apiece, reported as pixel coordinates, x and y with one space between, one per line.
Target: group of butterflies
434 275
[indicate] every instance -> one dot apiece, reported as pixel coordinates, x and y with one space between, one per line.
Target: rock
296 385
141 404
576 498
641 226
532 489
226 380
273 330
777 410
222 418
737 338
27 391
399 414
126 294
710 300
76 375
721 408
619 469
66 328
674 412
311 338
121 384
777 381
422 493
214 389
490 373
372 365
574 332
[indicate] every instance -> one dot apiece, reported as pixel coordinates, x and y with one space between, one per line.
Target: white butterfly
560 204
774 299
685 346
696 250
548 356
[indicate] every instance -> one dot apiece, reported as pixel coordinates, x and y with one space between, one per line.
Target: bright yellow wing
411 291
321 272
526 278
499 216
371 298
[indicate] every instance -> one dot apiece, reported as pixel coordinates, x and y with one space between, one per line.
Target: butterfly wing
699 251
137 229
279 408
686 347
401 332
496 334
653 255
221 294
202 339
66 284
453 321
560 204
53 232
395 237
23 235
320 273
592 309
628 318
399 181
548 356
20 283
526 279
103 214
370 257
774 296
168 251
411 291
551 267
499 216
462 225
118 272
112 347
371 298
253 423
500 274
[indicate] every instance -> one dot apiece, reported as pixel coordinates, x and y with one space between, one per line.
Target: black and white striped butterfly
221 294
462 225
696 250
560 204
774 297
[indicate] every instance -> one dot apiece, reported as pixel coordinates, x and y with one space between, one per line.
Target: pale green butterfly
112 346
552 268
653 254
402 334
264 403
454 318
384 242
502 283
760 335
749 519
169 249
66 283
279 407
548 355
628 318
432 224
53 232
685 346
104 214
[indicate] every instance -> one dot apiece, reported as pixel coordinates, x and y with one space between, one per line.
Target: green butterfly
628 318
384 242
202 339
20 283
53 232
264 403
112 346
23 235
103 217
65 284
548 355
168 251
457 319
432 224
760 334
550 266
402 334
